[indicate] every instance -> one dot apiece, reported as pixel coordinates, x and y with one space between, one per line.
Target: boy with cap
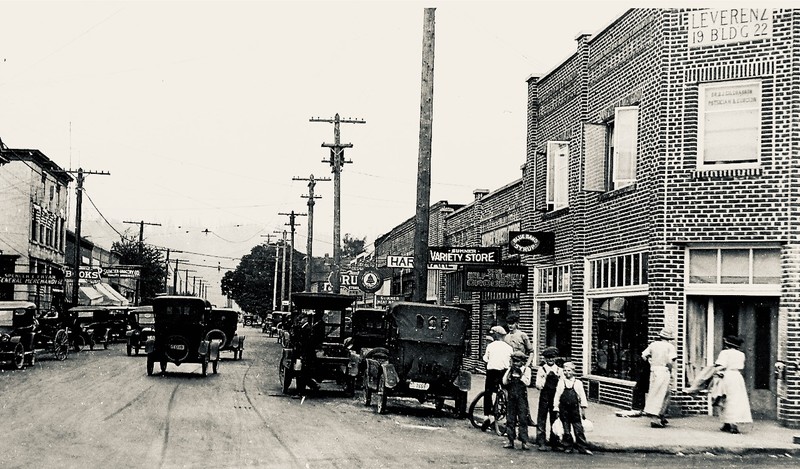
516 380
498 359
546 381
570 404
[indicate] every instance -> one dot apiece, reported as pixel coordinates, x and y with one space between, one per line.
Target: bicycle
499 410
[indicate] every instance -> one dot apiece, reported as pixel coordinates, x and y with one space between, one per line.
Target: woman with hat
661 354
729 365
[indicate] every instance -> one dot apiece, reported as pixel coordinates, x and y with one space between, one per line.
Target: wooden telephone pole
337 162
141 224
78 206
309 244
283 267
291 224
422 219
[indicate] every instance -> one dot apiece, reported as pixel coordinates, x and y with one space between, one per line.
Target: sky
200 111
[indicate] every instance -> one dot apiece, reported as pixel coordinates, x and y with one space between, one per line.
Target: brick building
663 155
33 208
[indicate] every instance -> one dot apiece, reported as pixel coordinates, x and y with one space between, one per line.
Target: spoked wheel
285 375
382 398
18 359
367 392
500 412
150 365
78 343
61 345
476 411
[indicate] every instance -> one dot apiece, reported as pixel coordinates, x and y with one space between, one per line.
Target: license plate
177 347
419 386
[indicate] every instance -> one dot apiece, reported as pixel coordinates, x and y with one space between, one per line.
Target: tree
152 271
251 284
351 247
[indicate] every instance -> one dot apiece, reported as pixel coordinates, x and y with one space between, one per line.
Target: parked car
181 326
279 322
52 334
222 326
425 345
118 322
141 326
92 323
250 319
367 338
314 344
17 331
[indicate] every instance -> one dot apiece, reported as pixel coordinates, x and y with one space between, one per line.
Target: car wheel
382 398
150 365
18 359
61 345
78 343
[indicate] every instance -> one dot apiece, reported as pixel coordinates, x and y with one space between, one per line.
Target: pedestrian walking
735 404
547 379
516 380
661 354
498 359
569 403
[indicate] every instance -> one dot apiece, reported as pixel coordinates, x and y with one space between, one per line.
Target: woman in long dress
729 365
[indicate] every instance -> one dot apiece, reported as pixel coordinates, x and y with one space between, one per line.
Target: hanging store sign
121 271
531 242
504 278
85 273
407 262
455 255
716 26
31 279
370 280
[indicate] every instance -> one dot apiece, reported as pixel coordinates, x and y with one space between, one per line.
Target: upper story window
557 175
554 279
729 127
735 266
610 150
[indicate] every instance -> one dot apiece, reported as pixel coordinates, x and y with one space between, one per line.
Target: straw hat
498 330
666 334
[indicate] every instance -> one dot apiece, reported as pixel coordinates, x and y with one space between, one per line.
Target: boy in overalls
516 380
546 381
570 403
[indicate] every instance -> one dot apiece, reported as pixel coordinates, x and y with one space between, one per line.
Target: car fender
150 345
390 373
463 381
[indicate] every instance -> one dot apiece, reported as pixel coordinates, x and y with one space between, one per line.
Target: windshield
6 318
147 319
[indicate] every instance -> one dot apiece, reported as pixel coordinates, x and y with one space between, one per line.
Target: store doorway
558 329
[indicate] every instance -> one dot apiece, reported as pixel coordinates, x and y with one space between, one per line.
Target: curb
686 450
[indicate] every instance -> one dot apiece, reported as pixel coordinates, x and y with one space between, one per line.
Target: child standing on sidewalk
546 381
516 380
570 403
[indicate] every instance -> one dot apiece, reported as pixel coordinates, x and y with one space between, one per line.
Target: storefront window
620 327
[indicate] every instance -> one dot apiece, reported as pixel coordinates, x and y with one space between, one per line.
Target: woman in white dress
729 365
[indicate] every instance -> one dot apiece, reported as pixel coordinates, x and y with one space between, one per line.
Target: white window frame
625 141
557 175
702 91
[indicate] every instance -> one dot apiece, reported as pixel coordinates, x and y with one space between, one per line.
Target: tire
61 345
500 412
78 343
18 359
150 365
382 397
285 376
214 365
476 411
217 334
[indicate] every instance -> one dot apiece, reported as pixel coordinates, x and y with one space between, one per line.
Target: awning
112 297
88 295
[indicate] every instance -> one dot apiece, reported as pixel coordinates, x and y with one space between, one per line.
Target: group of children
561 399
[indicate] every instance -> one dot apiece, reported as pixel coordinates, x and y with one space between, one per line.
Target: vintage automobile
277 322
316 334
181 327
222 326
141 326
425 345
52 334
17 331
367 338
251 319
92 324
118 322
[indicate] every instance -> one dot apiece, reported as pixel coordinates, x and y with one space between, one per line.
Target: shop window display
620 336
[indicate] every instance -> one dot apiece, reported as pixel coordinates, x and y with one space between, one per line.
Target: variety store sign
455 255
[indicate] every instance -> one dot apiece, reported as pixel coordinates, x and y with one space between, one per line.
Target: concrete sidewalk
686 435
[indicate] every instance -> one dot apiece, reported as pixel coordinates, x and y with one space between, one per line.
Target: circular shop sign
525 242
370 280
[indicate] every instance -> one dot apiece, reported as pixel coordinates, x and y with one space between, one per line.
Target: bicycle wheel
476 412
500 412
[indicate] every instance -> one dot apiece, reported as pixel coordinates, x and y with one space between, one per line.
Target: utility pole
283 267
78 205
292 224
275 280
309 244
337 161
166 272
422 221
141 224
186 285
175 276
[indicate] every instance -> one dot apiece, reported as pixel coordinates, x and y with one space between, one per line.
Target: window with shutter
623 156
594 152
